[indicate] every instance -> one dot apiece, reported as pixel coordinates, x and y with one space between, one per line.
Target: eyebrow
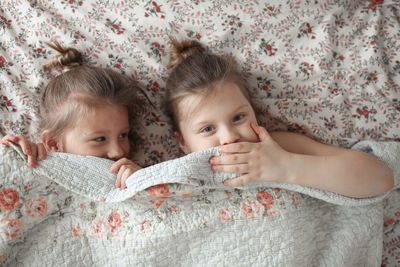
128 128
208 122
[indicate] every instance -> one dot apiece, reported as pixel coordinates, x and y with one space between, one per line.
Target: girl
210 106
85 112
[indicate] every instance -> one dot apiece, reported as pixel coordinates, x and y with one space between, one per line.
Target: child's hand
125 168
263 161
30 149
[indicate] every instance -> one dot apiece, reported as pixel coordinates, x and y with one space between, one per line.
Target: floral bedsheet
329 69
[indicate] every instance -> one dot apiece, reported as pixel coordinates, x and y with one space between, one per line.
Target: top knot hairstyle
81 88
68 57
182 50
195 70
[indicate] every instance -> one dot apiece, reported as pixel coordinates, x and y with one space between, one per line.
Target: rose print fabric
183 206
328 69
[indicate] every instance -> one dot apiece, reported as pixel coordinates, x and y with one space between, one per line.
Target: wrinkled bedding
328 69
178 213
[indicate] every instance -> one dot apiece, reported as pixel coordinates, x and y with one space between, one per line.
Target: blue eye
207 129
100 139
238 117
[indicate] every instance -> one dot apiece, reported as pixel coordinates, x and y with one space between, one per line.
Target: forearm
354 174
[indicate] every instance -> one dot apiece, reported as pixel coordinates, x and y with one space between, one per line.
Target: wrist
293 161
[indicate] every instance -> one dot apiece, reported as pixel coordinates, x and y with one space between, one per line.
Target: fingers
123 174
31 150
25 145
41 151
125 169
237 168
229 159
32 156
241 180
261 132
242 147
8 139
117 165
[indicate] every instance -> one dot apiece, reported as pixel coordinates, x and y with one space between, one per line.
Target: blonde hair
196 71
80 89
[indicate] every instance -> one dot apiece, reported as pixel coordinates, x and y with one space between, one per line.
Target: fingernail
212 161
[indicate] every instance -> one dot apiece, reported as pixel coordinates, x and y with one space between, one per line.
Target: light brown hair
195 71
80 89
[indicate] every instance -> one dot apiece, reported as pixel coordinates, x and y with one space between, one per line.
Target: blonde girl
210 106
85 111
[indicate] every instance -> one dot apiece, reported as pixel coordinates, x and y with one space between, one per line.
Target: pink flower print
294 198
225 215
251 209
155 87
77 231
114 220
2 62
158 203
363 112
186 195
268 47
265 199
159 191
10 227
36 207
145 225
99 229
158 9
376 2
388 222
372 77
3 258
126 214
9 199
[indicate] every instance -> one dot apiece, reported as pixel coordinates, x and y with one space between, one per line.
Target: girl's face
220 118
103 132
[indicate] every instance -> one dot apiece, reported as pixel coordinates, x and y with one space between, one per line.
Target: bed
328 69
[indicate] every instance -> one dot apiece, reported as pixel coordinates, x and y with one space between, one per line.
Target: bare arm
345 171
295 158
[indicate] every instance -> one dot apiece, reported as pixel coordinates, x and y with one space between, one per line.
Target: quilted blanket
327 68
67 212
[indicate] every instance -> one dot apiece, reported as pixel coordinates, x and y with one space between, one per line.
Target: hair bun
182 50
68 57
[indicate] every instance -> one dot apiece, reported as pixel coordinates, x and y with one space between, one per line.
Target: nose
228 135
115 151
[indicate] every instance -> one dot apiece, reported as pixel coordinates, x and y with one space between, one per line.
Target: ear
50 143
181 142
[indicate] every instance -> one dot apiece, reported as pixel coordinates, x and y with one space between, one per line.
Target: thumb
261 132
